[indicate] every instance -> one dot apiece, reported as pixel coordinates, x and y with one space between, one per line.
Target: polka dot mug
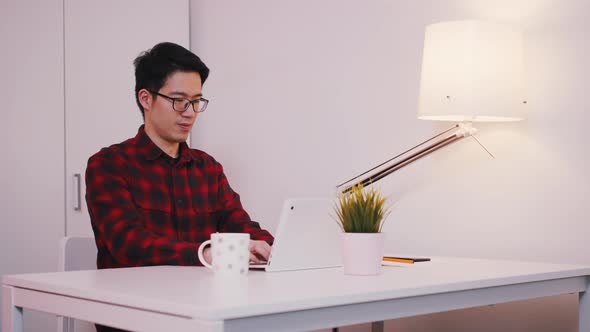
230 254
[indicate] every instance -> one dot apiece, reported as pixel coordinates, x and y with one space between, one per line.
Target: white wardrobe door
32 161
101 40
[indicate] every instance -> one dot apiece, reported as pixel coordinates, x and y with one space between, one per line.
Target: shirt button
180 201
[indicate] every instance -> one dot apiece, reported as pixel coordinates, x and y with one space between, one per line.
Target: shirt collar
150 151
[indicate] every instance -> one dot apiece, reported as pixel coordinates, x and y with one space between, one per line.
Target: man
152 200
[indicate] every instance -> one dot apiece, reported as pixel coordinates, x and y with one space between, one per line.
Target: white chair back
75 254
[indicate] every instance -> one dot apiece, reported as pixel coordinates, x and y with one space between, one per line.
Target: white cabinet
102 38
32 137
67 89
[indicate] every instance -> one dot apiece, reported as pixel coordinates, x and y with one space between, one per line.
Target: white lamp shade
472 71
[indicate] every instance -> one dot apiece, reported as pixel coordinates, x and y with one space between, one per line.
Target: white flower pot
362 253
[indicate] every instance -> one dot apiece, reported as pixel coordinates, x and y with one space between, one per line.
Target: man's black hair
154 66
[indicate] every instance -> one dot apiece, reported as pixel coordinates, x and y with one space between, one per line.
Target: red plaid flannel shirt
149 209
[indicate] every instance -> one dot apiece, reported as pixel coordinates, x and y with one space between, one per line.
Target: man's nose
188 113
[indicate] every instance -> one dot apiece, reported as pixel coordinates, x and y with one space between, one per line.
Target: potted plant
360 214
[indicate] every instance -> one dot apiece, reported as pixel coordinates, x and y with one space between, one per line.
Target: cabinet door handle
77 194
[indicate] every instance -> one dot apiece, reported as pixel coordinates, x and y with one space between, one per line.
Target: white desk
168 298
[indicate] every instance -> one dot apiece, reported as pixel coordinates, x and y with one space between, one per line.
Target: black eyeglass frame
192 102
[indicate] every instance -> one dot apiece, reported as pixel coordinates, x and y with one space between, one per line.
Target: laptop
307 237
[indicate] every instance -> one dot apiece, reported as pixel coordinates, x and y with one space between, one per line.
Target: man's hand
259 251
207 255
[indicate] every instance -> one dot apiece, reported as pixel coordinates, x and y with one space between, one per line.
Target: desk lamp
472 71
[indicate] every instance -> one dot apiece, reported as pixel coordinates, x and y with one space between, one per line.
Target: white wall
32 134
305 94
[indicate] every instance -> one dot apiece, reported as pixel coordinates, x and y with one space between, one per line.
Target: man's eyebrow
179 93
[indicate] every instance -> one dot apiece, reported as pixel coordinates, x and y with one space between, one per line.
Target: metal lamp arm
463 130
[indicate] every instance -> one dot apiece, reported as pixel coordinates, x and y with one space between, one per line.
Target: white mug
230 253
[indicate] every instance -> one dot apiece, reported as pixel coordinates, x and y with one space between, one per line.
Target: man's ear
145 99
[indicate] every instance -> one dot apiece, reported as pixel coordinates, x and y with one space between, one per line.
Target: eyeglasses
181 104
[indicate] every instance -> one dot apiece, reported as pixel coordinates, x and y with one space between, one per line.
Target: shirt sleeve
116 220
234 217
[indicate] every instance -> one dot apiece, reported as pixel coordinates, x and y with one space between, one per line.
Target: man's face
169 125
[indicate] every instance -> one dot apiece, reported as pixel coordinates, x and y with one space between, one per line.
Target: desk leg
12 316
378 326
584 309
